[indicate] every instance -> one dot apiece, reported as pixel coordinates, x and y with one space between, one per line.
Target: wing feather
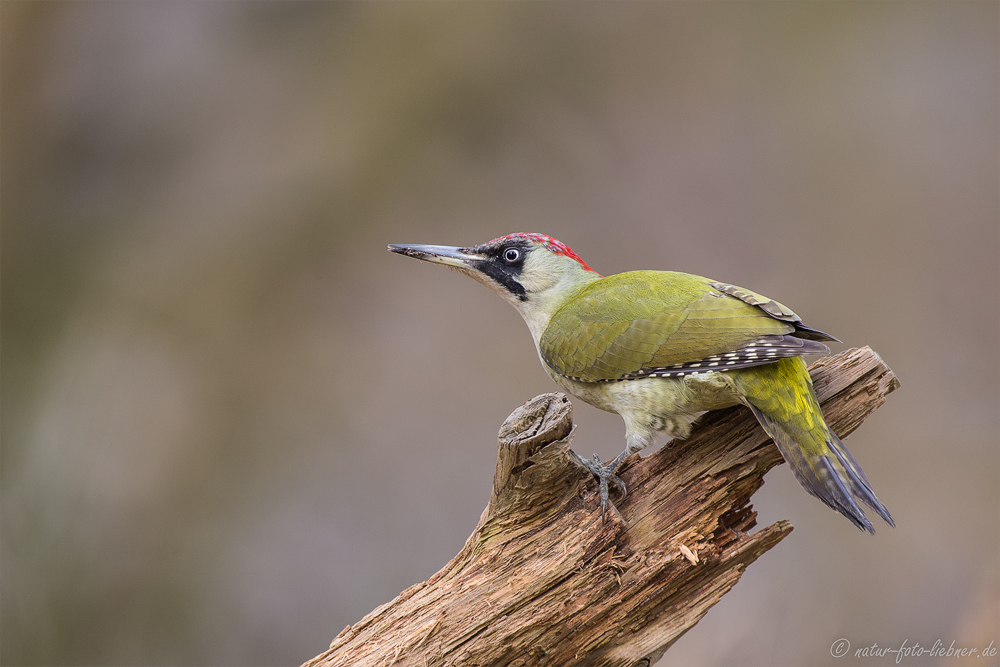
665 323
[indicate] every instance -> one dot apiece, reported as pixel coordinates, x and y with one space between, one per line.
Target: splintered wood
542 581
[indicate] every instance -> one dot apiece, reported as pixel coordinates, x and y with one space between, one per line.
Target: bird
660 348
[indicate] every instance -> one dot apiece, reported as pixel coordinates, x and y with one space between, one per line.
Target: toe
619 484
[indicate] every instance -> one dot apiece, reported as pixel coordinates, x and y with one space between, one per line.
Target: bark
542 581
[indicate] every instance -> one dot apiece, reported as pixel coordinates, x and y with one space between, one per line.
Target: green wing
644 323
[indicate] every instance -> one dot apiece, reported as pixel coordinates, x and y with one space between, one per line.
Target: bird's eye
511 255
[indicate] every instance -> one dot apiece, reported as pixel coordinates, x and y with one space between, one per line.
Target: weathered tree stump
542 581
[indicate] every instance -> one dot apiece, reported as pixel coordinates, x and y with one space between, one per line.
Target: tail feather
782 399
834 476
860 485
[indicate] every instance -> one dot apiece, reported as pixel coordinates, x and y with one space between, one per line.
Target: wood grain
542 581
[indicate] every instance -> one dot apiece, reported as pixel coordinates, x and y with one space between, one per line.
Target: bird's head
533 272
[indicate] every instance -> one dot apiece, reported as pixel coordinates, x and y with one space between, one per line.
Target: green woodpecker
660 347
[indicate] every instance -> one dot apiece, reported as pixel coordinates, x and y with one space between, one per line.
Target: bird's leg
637 436
605 473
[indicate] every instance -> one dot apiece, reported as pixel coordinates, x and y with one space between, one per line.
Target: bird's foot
605 473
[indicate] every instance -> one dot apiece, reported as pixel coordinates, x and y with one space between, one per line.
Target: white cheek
540 272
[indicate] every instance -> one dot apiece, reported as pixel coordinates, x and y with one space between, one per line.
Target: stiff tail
783 401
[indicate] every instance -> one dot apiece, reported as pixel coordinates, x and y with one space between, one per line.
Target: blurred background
233 423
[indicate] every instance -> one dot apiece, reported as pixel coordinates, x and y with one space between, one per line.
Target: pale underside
653 406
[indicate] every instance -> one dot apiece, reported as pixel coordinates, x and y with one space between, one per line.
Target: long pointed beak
459 258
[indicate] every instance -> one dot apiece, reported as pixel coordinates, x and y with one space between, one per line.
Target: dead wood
541 581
